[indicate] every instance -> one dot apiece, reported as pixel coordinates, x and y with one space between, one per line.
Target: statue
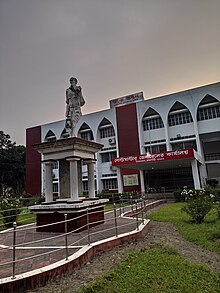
74 102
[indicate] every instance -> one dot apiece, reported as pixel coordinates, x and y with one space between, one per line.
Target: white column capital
48 162
73 159
90 161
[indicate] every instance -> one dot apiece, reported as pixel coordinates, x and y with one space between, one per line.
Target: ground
160 233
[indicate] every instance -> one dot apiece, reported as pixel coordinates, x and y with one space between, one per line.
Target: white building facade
133 126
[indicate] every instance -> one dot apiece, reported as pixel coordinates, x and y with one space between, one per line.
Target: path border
39 277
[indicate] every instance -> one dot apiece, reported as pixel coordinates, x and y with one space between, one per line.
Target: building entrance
167 180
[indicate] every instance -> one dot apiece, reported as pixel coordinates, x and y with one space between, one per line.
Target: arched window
179 114
106 129
209 108
85 132
64 134
50 136
152 120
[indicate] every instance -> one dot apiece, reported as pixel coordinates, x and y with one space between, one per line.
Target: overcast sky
113 47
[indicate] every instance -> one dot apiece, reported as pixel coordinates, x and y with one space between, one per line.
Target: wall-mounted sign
127 100
130 180
165 156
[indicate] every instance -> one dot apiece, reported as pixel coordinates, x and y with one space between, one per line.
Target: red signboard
156 157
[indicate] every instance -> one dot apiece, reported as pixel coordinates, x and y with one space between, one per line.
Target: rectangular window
185 145
55 165
156 149
85 186
110 184
108 156
55 188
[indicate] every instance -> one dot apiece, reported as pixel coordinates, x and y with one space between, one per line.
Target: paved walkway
50 247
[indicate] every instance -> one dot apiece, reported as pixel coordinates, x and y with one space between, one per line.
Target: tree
5 142
12 164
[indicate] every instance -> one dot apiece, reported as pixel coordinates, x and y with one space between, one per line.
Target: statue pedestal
71 153
53 212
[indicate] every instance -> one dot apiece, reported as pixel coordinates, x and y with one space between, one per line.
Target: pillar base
77 211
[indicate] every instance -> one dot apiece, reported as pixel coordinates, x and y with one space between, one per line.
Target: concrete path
42 248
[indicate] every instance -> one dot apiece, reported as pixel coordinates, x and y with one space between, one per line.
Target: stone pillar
48 181
142 181
195 174
74 189
91 178
120 183
64 178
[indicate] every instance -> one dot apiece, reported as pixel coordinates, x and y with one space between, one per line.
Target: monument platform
79 214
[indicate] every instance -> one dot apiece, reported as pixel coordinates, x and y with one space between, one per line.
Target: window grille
107 132
207 113
153 123
179 118
110 183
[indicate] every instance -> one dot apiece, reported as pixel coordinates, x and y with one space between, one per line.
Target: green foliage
12 164
30 201
5 142
178 196
218 210
215 192
117 197
204 234
156 270
9 206
212 182
199 204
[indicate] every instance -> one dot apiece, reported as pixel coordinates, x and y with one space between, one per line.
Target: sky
113 47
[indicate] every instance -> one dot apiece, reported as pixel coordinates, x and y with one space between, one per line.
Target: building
157 144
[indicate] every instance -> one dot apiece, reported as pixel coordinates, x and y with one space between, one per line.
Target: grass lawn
156 270
206 234
25 217
110 206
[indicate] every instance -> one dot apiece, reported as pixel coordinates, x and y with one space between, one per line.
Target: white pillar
203 174
198 142
120 183
74 189
195 174
48 181
142 181
91 178
168 145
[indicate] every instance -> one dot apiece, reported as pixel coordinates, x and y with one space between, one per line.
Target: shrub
212 182
199 203
9 205
178 196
